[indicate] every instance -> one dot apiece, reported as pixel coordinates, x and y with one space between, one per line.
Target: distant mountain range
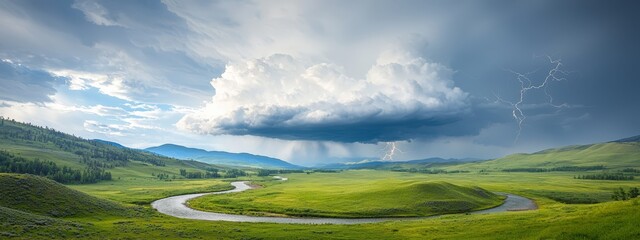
221 158
419 163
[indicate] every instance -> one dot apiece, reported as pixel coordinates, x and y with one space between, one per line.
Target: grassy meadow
352 194
146 190
324 188
33 207
554 219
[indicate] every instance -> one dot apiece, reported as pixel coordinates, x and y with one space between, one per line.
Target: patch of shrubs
620 195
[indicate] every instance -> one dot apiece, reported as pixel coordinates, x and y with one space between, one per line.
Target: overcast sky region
315 82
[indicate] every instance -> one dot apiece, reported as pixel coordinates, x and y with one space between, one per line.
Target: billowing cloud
20 83
283 97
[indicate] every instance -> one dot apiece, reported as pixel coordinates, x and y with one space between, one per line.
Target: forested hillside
15 164
92 152
43 151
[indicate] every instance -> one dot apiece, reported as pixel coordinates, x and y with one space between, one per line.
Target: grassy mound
43 196
358 198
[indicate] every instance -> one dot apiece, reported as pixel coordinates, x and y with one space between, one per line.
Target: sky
318 82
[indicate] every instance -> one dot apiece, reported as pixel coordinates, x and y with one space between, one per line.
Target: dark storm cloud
481 42
375 130
598 44
169 51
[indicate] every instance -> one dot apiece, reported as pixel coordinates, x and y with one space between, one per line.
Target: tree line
556 169
209 173
630 170
428 171
620 195
605 176
267 172
10 163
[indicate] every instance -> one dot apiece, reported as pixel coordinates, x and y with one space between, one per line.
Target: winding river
176 206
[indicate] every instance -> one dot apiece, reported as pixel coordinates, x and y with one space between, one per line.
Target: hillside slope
43 196
26 143
23 225
220 157
619 154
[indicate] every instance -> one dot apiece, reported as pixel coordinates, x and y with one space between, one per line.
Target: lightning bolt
555 74
390 150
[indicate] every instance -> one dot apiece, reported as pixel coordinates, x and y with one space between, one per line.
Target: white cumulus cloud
283 97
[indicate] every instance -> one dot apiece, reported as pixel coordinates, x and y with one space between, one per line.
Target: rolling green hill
332 196
615 155
42 196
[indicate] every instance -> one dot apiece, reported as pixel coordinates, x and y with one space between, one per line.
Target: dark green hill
115 144
25 148
90 151
43 196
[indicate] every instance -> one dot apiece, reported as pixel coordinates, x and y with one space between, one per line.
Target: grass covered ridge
39 195
329 197
612 155
19 224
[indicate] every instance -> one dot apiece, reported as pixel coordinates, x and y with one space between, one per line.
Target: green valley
568 207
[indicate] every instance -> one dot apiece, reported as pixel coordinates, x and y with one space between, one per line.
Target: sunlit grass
146 190
346 195
554 220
